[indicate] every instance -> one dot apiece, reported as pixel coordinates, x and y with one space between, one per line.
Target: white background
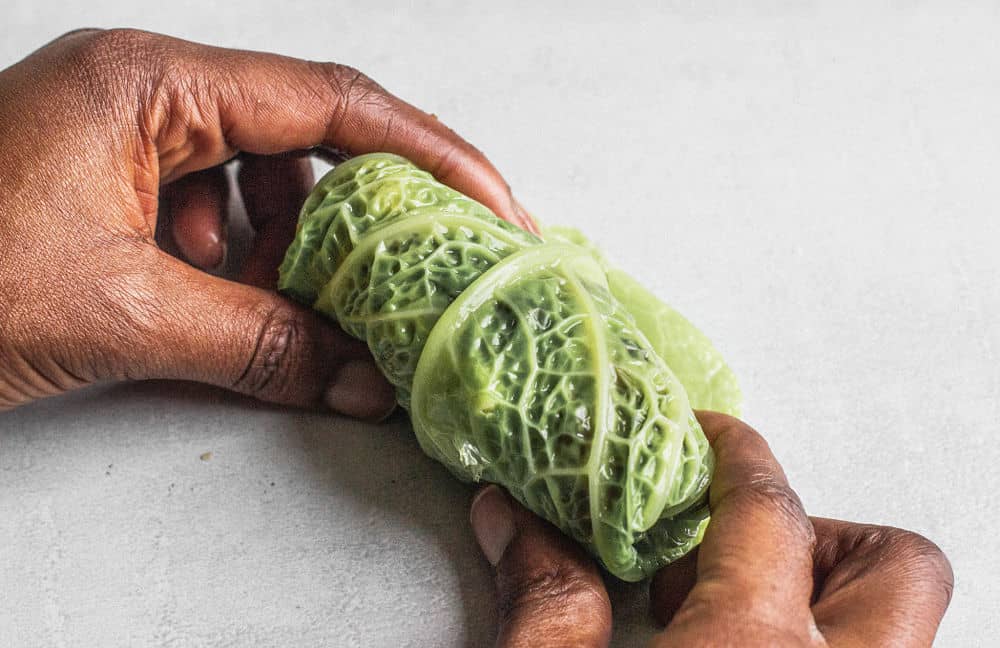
814 184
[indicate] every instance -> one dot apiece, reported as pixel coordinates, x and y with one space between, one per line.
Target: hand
109 136
765 575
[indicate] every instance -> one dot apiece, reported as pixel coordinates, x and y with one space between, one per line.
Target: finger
207 329
194 208
756 559
871 583
878 586
273 190
671 585
550 592
265 104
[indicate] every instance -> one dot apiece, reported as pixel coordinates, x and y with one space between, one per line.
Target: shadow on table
381 467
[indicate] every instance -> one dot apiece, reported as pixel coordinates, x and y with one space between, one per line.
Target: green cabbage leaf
527 363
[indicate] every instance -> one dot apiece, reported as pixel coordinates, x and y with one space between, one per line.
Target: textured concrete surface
813 183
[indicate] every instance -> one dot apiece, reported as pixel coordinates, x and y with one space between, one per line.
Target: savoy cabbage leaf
527 363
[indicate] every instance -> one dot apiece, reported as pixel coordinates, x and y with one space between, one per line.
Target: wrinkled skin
113 143
765 575
87 294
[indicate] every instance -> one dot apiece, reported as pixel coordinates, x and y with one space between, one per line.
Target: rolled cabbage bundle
527 363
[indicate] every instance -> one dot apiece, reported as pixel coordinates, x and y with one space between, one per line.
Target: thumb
550 592
255 342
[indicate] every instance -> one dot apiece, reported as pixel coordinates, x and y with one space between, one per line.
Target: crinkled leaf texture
530 364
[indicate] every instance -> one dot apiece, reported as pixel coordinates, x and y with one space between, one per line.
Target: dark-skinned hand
110 137
113 137
766 574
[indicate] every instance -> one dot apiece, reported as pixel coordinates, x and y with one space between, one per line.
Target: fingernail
223 251
492 522
359 389
526 218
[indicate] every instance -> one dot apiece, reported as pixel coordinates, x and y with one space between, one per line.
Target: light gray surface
816 187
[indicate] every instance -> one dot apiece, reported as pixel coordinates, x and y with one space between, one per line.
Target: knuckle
351 82
277 340
350 89
780 502
447 162
765 491
927 562
113 65
99 47
911 556
548 591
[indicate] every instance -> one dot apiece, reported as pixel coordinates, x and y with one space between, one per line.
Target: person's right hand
765 575
110 137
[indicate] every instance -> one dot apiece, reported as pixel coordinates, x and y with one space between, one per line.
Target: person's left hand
766 574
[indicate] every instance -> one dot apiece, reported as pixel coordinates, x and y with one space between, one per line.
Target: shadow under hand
384 468
393 485
633 623
376 480
394 522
